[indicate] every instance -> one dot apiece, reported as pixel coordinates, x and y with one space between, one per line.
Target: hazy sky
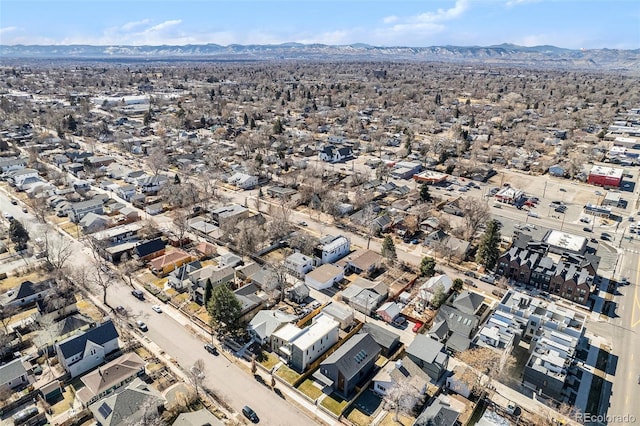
563 23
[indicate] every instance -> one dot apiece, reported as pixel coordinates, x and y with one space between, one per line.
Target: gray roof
126 405
11 371
457 321
458 342
354 354
425 348
437 414
265 322
383 337
100 335
468 302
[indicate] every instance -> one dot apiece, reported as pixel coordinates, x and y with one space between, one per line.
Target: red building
605 176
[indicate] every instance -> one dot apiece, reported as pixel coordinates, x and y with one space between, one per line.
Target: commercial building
605 176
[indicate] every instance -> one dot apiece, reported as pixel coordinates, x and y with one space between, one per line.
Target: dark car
399 322
138 294
250 414
14 201
470 274
586 229
211 349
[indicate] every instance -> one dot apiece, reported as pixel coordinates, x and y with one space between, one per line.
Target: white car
157 308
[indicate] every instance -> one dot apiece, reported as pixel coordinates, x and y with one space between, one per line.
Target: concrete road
236 386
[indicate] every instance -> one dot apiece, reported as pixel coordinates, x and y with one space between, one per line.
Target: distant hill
503 54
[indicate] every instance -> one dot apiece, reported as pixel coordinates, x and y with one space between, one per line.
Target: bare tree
57 249
197 374
483 366
475 213
402 397
157 160
6 313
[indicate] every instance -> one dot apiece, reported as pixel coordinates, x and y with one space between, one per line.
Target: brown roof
205 248
172 257
110 375
363 259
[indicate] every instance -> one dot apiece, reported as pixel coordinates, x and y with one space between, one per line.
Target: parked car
138 294
470 274
532 214
416 326
586 229
121 310
250 414
211 349
469 282
157 308
302 223
490 279
14 201
141 325
399 322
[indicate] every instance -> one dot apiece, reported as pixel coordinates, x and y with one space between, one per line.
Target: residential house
439 412
349 365
331 249
331 154
389 311
13 375
151 249
215 275
557 170
230 259
166 263
362 261
151 184
80 353
229 214
403 371
243 180
388 341
266 322
429 355
454 207
28 293
9 164
18 177
325 276
98 161
339 312
128 405
110 377
92 222
117 234
77 211
436 283
298 292
300 347
126 191
365 296
454 328
298 264
251 299
179 278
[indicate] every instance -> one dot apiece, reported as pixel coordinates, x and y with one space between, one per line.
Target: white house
78 210
243 180
266 322
332 249
300 347
17 177
298 264
427 289
13 375
324 276
12 163
80 353
27 293
331 154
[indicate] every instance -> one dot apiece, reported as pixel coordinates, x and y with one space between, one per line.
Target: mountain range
627 61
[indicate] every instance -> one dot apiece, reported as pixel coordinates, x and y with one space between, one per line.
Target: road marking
635 297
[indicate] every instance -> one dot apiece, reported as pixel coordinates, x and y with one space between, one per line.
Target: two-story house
77 211
331 248
298 264
82 352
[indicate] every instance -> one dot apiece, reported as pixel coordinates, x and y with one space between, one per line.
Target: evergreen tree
208 291
389 248
427 266
457 285
224 310
176 179
278 128
489 247
245 119
424 192
147 117
439 296
252 123
19 235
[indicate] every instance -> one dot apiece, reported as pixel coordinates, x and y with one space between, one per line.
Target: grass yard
86 307
159 282
65 403
270 360
204 315
309 388
334 403
142 353
71 228
358 418
192 307
287 374
402 420
14 281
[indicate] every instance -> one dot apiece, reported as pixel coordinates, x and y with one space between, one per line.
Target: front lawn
334 403
269 360
287 374
358 418
309 388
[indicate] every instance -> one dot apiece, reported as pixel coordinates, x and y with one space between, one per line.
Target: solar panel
104 410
